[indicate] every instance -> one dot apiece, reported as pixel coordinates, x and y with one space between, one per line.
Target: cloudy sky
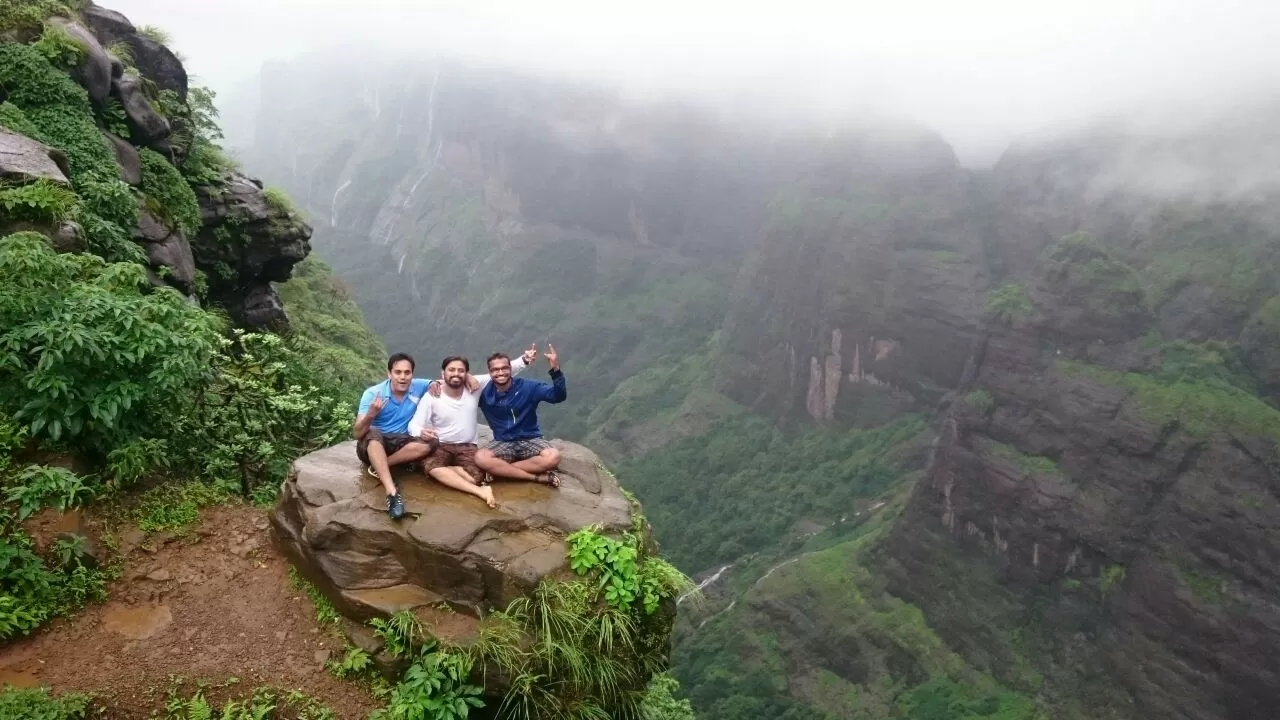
981 71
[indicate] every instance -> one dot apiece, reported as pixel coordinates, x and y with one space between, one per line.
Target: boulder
95 71
65 237
166 247
260 242
127 159
25 160
152 59
450 549
146 126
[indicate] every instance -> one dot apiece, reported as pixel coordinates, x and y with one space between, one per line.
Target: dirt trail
211 605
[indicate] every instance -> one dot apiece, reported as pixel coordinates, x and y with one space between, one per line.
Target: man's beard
454 382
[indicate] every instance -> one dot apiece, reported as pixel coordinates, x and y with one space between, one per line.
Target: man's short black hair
397 358
497 356
465 363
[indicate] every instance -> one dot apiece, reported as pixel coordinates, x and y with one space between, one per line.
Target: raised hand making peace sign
552 358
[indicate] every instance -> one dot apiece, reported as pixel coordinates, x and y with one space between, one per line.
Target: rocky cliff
94 106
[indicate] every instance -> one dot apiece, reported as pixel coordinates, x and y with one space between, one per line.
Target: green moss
1199 408
980 400
167 192
1009 302
1204 586
1029 464
1111 576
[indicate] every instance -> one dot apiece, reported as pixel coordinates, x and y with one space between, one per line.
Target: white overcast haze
982 72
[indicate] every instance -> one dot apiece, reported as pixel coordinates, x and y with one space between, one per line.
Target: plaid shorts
517 450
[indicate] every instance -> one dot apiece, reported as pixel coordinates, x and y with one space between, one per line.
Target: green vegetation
741 665
39 704
1112 575
1009 302
980 400
154 33
24 20
167 194
759 483
326 613
1199 403
329 328
59 48
40 200
588 648
1028 464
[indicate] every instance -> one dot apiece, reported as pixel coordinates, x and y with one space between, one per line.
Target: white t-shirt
454 420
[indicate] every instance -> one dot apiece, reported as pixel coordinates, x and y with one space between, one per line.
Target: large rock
331 522
146 126
24 160
166 248
96 69
152 59
130 164
245 244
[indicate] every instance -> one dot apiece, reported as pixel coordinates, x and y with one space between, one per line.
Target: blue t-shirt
395 415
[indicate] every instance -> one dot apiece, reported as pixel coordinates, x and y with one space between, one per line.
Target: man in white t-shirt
450 416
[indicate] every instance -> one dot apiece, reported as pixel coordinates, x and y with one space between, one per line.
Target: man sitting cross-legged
382 426
448 414
510 405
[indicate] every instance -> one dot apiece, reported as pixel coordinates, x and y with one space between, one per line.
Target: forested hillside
951 443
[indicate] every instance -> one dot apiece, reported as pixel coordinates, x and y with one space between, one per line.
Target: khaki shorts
461 455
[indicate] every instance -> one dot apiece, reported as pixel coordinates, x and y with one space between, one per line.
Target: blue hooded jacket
513 415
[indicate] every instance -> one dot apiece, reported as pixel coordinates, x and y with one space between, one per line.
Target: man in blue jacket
510 405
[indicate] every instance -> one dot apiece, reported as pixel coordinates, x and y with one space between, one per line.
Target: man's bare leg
546 460
409 453
378 459
383 464
458 479
496 466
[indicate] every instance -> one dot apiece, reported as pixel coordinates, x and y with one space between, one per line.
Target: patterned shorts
517 450
391 443
461 455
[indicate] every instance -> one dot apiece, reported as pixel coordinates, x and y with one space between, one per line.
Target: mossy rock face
1088 295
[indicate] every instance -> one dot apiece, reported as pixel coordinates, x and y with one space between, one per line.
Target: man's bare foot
486 494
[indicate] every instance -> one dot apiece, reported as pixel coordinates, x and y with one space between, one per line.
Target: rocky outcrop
152 59
246 242
331 522
24 160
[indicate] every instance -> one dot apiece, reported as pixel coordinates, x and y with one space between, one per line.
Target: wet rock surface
450 548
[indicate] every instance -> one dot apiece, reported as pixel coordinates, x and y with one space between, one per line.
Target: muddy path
213 604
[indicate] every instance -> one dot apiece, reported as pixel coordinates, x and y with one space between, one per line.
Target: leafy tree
89 352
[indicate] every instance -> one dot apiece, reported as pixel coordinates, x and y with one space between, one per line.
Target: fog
983 72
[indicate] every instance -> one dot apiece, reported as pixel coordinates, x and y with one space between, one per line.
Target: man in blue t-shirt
510 405
382 426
